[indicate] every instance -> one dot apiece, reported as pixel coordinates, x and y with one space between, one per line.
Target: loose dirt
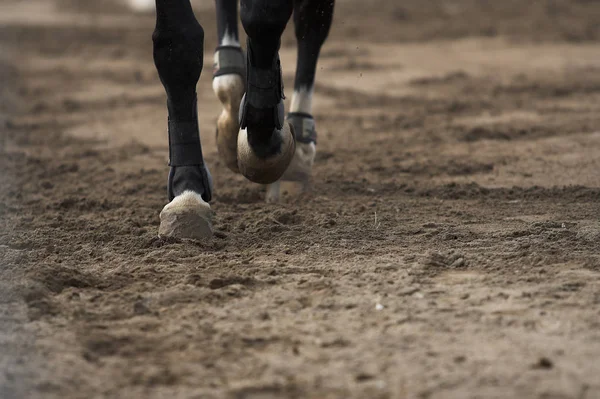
450 247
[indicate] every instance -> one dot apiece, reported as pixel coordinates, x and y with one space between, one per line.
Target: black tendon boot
268 145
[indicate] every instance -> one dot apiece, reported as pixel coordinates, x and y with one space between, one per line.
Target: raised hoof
266 170
187 216
299 171
229 90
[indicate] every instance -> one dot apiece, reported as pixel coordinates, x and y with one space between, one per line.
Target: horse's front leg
178 55
265 143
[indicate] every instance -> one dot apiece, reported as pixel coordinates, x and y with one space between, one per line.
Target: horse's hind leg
228 80
312 20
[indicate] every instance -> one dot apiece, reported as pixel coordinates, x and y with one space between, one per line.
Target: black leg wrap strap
264 86
229 60
264 90
304 127
184 144
184 136
278 113
188 171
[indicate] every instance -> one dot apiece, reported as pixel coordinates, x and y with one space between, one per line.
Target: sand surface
450 247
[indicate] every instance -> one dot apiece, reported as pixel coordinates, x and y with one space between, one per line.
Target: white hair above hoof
187 216
270 169
141 5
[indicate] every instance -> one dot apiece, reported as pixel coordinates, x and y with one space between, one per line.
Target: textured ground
450 249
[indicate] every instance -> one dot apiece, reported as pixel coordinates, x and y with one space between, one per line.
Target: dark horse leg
312 21
265 143
178 55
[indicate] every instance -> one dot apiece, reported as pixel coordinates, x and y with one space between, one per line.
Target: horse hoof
229 90
187 216
269 169
273 194
299 171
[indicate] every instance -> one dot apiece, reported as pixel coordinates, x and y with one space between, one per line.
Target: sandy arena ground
450 248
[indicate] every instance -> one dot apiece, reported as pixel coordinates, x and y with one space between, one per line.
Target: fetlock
304 127
196 178
229 60
305 133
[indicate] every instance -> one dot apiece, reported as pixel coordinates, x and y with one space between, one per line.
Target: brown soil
450 249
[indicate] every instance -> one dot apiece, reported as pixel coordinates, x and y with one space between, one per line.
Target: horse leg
265 142
312 20
178 42
228 80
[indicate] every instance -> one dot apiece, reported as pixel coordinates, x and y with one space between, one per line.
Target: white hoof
187 216
273 192
299 171
266 170
229 90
